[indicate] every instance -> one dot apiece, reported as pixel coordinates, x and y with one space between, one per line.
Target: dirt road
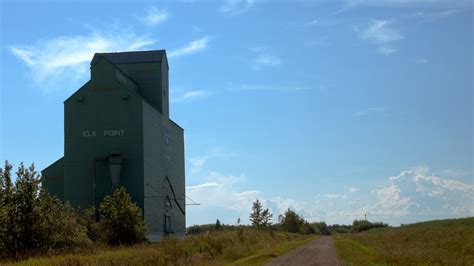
319 252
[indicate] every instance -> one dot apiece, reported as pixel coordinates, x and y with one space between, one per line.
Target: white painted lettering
114 133
87 133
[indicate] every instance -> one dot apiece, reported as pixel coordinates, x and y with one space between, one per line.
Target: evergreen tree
218 225
259 217
256 214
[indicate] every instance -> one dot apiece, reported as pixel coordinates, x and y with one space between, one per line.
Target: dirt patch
318 252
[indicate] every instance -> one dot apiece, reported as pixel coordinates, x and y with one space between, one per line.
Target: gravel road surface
318 252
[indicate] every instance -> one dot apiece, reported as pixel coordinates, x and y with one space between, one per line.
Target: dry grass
206 249
444 242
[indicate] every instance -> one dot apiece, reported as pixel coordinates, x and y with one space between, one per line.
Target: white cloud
268 60
377 111
408 3
236 7
155 16
434 16
250 87
420 60
203 186
198 162
193 47
222 192
411 196
65 58
189 95
263 60
380 31
353 189
386 50
416 188
333 196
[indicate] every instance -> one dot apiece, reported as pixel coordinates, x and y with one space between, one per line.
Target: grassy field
444 242
250 247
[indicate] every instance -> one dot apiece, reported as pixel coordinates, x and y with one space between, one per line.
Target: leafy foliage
121 219
364 225
32 221
291 222
259 217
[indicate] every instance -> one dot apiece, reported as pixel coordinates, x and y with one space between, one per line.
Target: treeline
34 222
290 222
356 227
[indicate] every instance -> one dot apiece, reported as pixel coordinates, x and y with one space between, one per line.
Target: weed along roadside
252 247
443 242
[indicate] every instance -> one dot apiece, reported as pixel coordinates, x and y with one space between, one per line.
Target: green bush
364 225
32 221
121 219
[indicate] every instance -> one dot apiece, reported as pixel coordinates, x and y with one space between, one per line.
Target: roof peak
131 56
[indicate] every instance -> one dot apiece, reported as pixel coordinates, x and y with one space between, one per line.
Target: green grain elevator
117 132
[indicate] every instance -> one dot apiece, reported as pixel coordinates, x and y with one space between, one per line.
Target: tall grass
216 248
445 242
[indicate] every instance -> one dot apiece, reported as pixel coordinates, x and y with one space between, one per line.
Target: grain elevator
117 132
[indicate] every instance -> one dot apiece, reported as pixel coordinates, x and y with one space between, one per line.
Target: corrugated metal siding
52 179
177 175
102 108
154 172
163 156
149 78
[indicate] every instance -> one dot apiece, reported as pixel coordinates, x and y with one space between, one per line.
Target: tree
218 225
32 220
291 222
121 219
260 218
266 218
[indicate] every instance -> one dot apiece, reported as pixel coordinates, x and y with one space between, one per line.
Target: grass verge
266 255
218 248
443 242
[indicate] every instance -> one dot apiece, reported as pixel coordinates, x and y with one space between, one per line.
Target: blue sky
332 108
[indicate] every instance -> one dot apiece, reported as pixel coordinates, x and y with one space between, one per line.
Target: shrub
364 225
59 226
121 219
31 220
291 222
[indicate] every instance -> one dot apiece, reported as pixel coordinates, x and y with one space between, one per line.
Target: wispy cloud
435 16
380 31
409 3
249 87
203 186
377 111
420 60
266 61
237 7
155 16
65 58
197 162
386 50
193 47
353 190
189 95
416 195
223 192
334 195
